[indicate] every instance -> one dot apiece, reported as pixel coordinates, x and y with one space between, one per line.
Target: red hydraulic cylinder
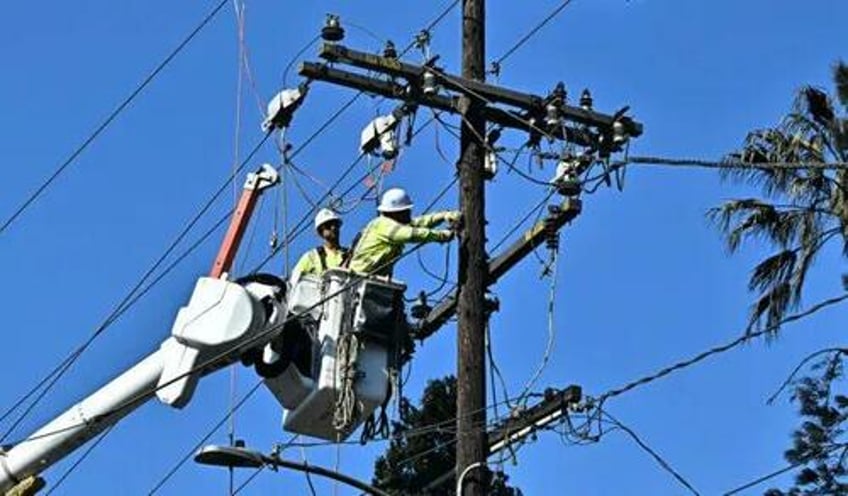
256 183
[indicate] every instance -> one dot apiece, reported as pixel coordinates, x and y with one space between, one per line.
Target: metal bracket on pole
506 260
533 105
549 410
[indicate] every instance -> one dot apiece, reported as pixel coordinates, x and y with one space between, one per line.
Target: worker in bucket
329 254
379 245
294 344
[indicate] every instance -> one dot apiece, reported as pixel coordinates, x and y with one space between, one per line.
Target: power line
356 96
510 165
62 367
236 407
533 31
650 451
730 164
783 470
51 378
79 461
303 223
137 297
205 438
718 349
300 227
549 346
76 153
225 354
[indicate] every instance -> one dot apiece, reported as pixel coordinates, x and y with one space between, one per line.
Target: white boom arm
222 320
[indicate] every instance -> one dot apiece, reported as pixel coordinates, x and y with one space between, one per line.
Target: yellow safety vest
382 241
317 260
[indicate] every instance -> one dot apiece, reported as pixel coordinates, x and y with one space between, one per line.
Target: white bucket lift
354 325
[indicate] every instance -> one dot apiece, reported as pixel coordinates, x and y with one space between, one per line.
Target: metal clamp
264 178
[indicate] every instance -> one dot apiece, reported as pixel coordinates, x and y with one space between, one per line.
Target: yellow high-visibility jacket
383 239
312 263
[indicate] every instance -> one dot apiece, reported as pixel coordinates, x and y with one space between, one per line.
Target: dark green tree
818 447
800 211
423 444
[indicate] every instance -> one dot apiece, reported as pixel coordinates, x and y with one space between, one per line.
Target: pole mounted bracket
433 87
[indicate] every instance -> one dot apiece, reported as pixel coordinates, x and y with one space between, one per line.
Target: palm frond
819 106
773 271
840 78
770 308
802 208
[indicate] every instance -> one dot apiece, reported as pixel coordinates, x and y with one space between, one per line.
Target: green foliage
801 209
423 444
818 446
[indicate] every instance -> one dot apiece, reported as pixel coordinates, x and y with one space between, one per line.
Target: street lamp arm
275 461
238 456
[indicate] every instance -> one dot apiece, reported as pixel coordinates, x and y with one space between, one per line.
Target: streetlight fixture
238 457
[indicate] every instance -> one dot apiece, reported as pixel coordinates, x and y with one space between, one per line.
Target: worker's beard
331 237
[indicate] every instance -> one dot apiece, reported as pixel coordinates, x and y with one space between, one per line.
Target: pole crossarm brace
509 258
551 409
532 105
394 90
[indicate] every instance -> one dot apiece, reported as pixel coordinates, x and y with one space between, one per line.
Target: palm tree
802 207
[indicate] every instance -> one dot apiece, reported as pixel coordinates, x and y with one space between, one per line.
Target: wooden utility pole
471 447
550 116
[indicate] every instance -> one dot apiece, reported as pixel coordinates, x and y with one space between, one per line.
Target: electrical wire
300 52
533 31
533 211
304 221
239 8
309 477
549 346
771 475
205 438
652 452
224 355
79 461
458 82
277 449
719 349
249 480
63 367
495 372
510 165
837 352
50 380
111 117
731 164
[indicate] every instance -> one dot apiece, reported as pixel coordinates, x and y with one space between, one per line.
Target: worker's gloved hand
453 216
444 235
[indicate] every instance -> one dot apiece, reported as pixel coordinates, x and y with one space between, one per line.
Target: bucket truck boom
221 320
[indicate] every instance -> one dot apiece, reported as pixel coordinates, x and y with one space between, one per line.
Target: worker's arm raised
399 233
436 218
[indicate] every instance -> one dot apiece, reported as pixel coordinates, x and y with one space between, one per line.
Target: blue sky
643 278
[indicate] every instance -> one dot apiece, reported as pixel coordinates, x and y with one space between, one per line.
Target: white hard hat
325 215
395 200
